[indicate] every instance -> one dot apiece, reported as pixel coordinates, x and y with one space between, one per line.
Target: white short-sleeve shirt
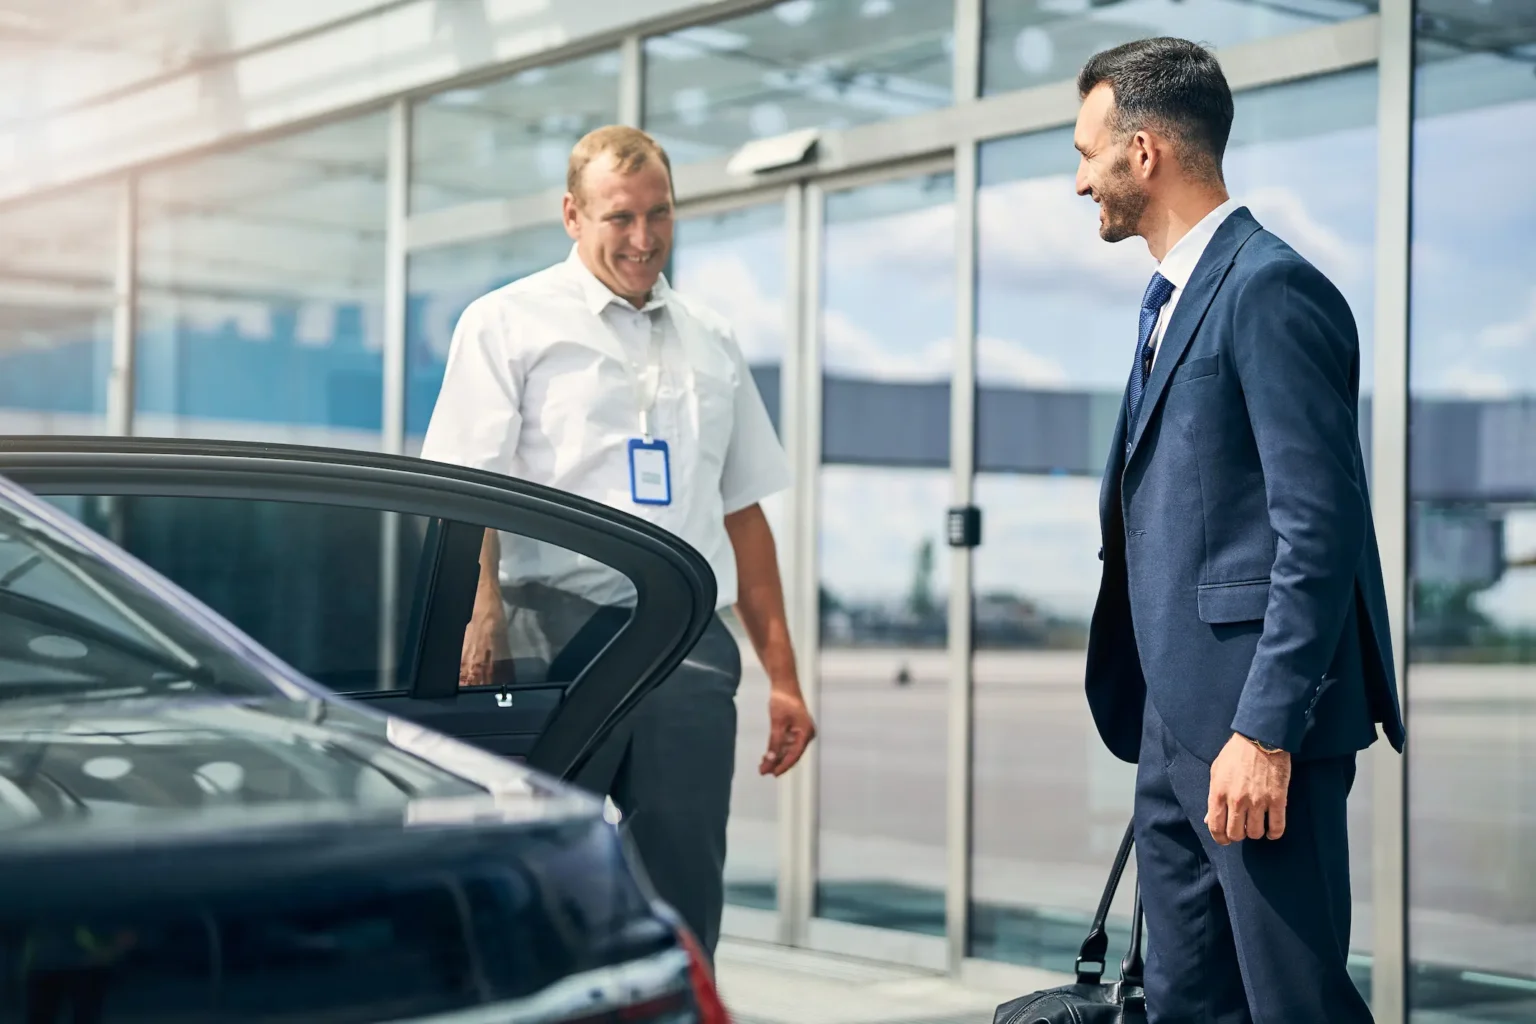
541 384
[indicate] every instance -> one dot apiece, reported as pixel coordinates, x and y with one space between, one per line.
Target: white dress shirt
1179 265
543 383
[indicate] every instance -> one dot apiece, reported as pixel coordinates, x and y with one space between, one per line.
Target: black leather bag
1091 1000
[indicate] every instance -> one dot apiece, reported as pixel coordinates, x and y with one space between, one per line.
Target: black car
240 781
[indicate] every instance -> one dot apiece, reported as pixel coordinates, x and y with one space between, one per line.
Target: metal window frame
959 807
1389 494
121 375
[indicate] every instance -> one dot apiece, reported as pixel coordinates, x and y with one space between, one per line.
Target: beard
1122 203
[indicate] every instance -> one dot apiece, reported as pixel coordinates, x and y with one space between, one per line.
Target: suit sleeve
1296 353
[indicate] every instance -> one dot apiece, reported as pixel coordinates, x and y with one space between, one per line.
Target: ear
1146 154
570 215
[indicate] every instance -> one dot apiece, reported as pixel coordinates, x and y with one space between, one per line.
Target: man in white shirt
595 377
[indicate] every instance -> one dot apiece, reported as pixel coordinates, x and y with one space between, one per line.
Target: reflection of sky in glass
1056 304
1474 218
1030 42
734 263
1473 327
888 281
888 313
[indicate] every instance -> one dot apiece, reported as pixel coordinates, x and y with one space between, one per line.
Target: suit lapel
1204 283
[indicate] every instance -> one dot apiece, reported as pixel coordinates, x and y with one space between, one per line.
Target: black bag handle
1090 956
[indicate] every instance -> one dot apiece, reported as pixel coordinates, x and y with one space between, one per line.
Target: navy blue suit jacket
1242 588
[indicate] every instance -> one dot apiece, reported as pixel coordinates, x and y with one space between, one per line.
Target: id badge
650 472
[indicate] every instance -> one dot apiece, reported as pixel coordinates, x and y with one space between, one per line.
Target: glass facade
887 341
261 291
1038 42
262 302
57 271
1472 519
797 64
511 137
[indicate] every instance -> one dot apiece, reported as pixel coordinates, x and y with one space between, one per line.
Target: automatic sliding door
886 321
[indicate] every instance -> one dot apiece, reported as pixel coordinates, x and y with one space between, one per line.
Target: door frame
800 811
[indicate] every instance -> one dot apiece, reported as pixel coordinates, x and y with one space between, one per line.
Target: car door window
343 594
362 571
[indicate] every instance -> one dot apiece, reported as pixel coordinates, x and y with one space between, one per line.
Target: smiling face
622 224
1105 173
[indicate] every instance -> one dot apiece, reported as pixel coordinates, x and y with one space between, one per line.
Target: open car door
360 571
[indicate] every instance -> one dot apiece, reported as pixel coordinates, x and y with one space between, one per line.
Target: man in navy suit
1239 651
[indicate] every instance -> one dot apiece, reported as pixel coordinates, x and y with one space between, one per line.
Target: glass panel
75 628
57 273
798 64
442 283
1032 42
511 137
261 291
735 262
1472 526
887 324
306 581
1056 331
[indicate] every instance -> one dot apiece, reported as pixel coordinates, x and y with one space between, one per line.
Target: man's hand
790 731
1247 785
485 643
760 606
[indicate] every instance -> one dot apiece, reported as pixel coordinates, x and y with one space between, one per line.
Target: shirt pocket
715 415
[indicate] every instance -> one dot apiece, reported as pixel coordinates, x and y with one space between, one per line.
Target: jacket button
1101 553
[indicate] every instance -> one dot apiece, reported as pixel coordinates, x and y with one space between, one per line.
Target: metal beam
795 420
125 311
632 81
962 467
806 438
396 283
397 209
1389 471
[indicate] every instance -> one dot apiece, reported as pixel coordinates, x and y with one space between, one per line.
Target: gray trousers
668 768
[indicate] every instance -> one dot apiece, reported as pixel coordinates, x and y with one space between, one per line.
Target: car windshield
73 627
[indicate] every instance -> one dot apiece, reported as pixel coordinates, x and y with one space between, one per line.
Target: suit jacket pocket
1205 366
1233 602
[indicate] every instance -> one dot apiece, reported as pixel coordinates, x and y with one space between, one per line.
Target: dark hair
1172 85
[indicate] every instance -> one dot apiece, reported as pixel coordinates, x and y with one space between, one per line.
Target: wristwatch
1267 750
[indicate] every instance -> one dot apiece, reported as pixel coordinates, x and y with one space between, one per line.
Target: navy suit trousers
1256 932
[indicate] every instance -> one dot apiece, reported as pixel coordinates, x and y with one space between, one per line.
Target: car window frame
675 587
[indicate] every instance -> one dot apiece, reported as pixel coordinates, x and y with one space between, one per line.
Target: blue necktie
1158 290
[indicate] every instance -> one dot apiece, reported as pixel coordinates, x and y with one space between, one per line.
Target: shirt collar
598 295
1179 263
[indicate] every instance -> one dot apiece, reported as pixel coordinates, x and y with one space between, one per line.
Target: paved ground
1049 803
764 984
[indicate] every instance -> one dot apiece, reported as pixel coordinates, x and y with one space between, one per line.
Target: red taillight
711 1009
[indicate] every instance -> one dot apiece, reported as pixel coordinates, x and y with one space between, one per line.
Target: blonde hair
630 148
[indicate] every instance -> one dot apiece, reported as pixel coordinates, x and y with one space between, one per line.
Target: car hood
169 765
